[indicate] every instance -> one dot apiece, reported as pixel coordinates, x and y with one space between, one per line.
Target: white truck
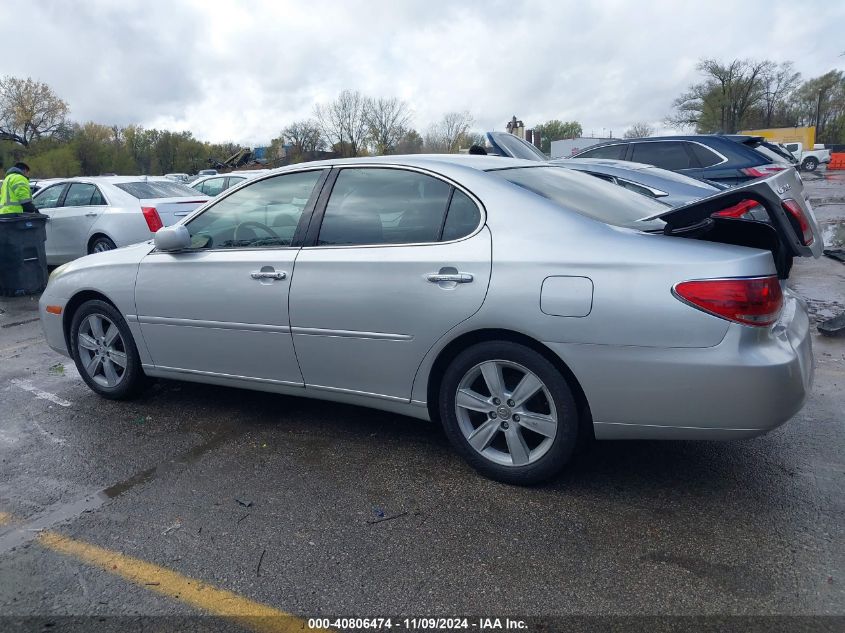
808 159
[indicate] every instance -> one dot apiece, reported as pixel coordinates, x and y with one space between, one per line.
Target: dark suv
728 159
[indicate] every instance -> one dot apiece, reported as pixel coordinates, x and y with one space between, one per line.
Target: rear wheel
104 351
509 412
101 244
809 164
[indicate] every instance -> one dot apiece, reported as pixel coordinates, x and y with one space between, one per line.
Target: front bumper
752 382
53 324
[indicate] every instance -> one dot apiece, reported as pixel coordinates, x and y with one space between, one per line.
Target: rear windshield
773 153
586 195
157 189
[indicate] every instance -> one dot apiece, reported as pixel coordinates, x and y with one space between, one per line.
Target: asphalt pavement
196 499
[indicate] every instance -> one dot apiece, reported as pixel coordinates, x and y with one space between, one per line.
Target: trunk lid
790 231
171 210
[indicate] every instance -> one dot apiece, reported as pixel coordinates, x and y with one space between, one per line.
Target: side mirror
173 238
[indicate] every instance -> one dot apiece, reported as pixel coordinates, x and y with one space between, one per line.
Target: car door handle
91 215
259 274
458 278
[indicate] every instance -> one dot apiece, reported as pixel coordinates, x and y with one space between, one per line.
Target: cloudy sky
240 71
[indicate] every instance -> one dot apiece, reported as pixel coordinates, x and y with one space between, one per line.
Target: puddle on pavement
16 535
833 235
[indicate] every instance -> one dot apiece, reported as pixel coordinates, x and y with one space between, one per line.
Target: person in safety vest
15 196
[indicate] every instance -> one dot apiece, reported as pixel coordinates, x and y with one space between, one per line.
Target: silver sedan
521 305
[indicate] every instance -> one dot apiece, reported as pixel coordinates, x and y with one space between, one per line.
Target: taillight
736 211
763 170
794 209
750 301
153 219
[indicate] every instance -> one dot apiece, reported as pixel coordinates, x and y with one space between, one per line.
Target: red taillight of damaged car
794 209
751 301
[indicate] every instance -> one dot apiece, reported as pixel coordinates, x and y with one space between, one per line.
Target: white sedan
91 215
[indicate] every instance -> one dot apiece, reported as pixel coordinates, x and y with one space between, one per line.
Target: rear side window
670 155
156 189
706 157
606 151
384 206
48 198
463 217
80 195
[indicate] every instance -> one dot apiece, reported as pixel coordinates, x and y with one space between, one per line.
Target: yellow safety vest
14 193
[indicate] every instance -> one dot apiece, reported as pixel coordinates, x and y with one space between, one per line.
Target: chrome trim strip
385 336
353 392
220 325
419 403
215 374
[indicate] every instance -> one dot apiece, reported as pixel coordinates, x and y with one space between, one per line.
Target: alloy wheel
506 413
102 350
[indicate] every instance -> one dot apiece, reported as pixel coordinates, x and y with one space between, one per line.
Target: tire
510 447
101 244
809 164
90 348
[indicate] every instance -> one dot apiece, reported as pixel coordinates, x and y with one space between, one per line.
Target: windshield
157 189
586 195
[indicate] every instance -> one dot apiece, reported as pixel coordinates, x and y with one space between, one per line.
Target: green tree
556 130
59 162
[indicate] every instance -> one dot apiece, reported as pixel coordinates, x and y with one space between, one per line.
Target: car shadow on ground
640 467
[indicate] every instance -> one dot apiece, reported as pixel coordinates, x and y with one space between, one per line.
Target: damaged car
521 305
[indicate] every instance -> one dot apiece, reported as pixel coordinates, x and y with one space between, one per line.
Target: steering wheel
263 227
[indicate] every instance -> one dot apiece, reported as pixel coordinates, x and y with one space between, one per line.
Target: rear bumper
752 382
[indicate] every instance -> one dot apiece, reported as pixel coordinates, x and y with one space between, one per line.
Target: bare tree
305 136
639 130
387 122
778 81
344 121
445 136
723 100
410 143
29 109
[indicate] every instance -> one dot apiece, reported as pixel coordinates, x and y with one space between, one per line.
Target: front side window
80 195
213 186
669 155
48 198
384 206
263 214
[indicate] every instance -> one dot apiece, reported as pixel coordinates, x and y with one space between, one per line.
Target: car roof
736 138
114 179
431 161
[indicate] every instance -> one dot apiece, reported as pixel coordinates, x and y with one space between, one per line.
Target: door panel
363 318
70 223
206 311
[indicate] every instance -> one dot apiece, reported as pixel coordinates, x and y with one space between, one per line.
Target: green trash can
23 260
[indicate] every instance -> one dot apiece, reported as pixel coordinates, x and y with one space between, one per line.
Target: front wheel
104 351
809 164
509 412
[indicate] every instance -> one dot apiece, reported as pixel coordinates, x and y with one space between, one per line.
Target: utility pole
818 111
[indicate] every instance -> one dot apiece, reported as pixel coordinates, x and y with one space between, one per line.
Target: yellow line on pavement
196 593
5 518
